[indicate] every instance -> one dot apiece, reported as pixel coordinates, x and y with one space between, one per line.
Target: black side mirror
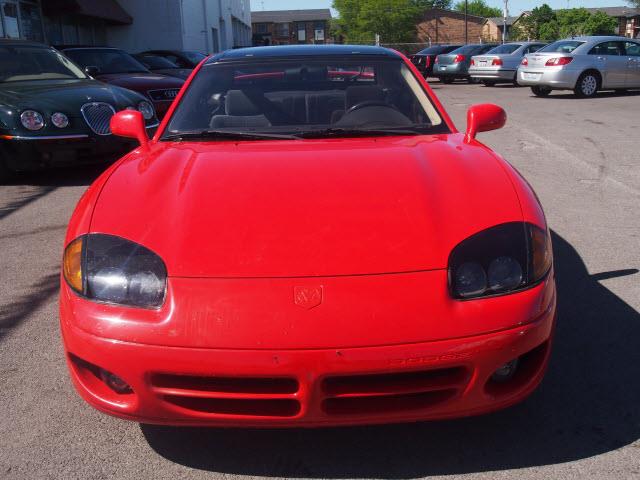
91 70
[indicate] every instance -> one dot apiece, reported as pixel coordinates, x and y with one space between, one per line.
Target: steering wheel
369 103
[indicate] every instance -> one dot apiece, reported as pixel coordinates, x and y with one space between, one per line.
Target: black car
163 66
52 113
424 59
182 58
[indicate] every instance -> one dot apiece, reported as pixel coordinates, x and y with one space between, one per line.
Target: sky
515 6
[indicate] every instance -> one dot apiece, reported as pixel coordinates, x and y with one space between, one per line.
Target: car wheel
587 85
541 91
489 83
446 80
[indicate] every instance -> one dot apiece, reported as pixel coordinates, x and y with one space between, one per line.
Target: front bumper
560 78
24 154
498 75
284 387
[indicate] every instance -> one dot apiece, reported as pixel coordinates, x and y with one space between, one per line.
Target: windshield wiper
362 132
228 135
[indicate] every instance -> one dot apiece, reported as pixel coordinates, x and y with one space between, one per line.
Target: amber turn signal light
72 264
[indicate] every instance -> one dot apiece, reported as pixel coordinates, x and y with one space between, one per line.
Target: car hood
62 95
175 72
137 81
306 208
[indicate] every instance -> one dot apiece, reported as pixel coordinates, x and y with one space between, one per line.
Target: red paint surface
299 261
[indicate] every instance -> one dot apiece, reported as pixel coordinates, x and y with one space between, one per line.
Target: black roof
302 51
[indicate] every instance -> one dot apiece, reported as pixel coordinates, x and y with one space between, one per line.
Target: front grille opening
395 382
236 406
386 404
528 367
92 377
258 385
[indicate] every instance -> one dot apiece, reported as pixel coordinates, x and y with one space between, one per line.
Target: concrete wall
203 25
156 25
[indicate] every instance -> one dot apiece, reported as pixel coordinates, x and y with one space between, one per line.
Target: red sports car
307 241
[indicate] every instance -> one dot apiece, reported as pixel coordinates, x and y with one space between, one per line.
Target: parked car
163 66
584 65
307 247
51 113
455 64
500 64
425 59
182 58
117 67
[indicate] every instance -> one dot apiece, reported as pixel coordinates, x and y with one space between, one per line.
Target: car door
633 64
611 62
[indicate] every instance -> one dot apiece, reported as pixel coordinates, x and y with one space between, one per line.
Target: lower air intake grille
98 115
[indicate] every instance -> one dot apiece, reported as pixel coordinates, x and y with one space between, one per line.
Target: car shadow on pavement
60 177
587 405
568 95
13 313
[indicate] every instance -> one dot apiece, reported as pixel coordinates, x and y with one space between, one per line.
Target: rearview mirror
91 70
130 124
483 118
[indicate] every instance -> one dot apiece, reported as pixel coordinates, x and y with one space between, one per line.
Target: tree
571 22
530 25
478 8
634 3
394 20
601 24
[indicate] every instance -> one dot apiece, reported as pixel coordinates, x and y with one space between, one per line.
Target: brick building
285 27
448 26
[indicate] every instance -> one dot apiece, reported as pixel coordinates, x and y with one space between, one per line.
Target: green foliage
394 20
545 24
478 8
600 24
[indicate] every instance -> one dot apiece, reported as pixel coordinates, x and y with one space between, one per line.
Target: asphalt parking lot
581 156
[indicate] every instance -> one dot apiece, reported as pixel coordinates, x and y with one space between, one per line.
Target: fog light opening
506 371
114 382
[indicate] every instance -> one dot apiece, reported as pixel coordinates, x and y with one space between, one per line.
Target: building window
318 31
302 32
261 28
282 29
21 20
10 19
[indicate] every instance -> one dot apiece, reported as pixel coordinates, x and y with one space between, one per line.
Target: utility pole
466 27
505 13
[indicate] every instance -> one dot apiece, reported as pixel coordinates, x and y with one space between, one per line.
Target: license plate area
531 76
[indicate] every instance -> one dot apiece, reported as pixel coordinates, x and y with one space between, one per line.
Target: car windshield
21 63
506 48
155 62
436 49
465 50
562 46
314 97
195 57
108 60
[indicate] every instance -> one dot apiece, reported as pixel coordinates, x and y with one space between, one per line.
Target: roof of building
281 16
440 12
500 20
616 11
302 51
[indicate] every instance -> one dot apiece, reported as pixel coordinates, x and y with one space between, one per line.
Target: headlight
60 120
502 259
111 269
146 109
31 120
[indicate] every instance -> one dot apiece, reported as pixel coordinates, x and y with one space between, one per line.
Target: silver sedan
584 65
500 64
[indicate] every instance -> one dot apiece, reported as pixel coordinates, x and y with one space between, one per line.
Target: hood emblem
307 297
